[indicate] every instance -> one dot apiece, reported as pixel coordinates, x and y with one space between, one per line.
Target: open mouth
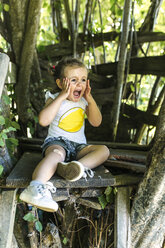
77 93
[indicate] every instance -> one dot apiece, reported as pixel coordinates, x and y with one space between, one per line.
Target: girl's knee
106 151
56 151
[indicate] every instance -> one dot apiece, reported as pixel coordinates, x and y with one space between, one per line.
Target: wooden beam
153 65
126 165
138 115
113 145
7 217
4 61
122 218
14 242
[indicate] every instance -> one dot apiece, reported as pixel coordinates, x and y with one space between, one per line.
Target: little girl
65 148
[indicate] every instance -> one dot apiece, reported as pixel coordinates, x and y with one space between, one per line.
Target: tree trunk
148 211
24 29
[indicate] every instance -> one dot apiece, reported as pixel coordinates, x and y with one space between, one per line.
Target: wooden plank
126 165
4 61
111 145
14 242
7 217
122 218
21 175
90 203
61 195
129 155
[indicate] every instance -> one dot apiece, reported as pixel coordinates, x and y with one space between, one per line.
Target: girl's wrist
90 99
62 96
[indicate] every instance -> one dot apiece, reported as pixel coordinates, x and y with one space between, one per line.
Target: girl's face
77 77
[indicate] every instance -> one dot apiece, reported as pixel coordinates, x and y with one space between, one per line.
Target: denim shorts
71 148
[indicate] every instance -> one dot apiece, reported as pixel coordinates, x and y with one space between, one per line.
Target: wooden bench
20 177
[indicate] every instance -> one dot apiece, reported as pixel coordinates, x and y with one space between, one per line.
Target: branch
65 48
150 19
68 16
88 12
121 67
146 65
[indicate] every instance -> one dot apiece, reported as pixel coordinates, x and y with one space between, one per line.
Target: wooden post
122 218
7 217
4 60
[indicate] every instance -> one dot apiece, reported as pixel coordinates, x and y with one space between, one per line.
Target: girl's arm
47 115
92 111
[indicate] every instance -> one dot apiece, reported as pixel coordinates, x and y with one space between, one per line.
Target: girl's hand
87 93
65 88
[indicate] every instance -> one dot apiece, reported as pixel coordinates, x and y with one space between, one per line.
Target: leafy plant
7 126
65 241
107 197
30 217
1 170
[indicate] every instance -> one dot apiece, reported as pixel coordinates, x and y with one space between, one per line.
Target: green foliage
1 170
6 7
65 241
30 217
7 126
107 197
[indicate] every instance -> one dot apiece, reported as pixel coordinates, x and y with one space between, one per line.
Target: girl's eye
73 80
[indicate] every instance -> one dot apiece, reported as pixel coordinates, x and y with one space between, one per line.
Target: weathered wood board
122 218
141 168
4 61
7 217
21 175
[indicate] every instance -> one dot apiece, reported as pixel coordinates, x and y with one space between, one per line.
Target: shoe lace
44 189
88 173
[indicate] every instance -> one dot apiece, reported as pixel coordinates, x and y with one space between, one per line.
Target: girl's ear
58 82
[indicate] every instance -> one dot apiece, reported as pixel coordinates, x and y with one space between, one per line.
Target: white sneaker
40 196
71 171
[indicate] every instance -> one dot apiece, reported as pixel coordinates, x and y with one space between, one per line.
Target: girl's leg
48 165
93 155
38 193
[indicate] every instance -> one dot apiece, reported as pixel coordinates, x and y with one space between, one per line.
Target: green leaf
11 129
1 169
132 88
102 201
16 125
38 226
3 135
29 217
6 99
29 110
108 190
1 7
6 7
109 194
65 241
36 119
13 141
2 120
2 143
115 191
